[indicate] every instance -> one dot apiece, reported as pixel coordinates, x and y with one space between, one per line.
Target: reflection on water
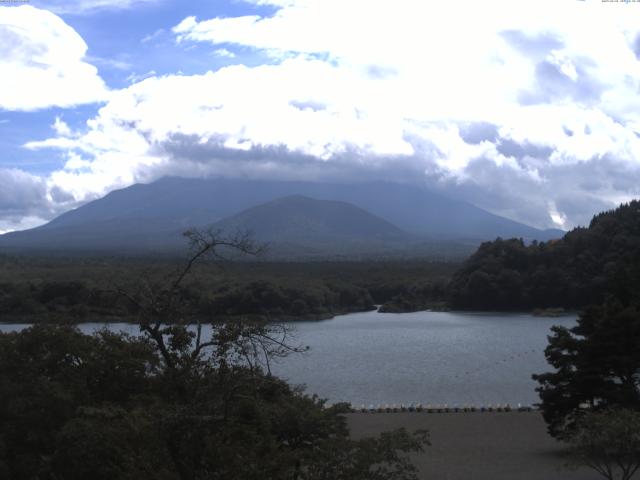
428 357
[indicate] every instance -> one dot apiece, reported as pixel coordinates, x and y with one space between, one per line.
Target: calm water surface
428 357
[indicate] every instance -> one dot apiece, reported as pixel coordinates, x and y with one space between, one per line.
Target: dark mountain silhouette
297 223
149 216
297 217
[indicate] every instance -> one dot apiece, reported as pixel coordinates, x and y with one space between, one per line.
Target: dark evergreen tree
597 366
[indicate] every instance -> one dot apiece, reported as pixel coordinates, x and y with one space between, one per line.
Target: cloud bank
517 107
42 62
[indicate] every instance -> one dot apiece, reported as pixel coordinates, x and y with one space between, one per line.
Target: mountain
149 216
297 222
302 218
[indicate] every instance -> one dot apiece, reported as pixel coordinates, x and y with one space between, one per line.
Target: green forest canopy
582 268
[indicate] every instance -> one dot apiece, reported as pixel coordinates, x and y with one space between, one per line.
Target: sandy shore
479 446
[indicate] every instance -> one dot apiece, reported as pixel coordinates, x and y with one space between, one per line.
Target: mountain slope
314 223
148 216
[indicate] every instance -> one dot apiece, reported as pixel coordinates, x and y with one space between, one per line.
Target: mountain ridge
150 216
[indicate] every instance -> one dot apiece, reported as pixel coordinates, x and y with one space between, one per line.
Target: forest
584 267
76 289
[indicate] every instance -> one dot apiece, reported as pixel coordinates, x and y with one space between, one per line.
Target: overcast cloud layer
528 109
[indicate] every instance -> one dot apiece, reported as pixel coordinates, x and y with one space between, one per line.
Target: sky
527 108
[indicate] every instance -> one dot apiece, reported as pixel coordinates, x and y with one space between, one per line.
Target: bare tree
164 313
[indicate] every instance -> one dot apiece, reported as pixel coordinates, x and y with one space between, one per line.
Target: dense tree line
427 295
277 300
74 301
76 290
58 301
582 268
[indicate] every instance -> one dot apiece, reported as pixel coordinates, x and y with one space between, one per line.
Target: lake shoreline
108 320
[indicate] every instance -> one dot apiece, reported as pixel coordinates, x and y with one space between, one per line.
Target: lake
427 357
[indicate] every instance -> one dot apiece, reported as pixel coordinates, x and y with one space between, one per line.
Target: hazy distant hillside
143 217
186 202
126 235
302 219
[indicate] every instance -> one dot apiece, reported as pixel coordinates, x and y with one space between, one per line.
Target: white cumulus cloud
42 62
516 106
